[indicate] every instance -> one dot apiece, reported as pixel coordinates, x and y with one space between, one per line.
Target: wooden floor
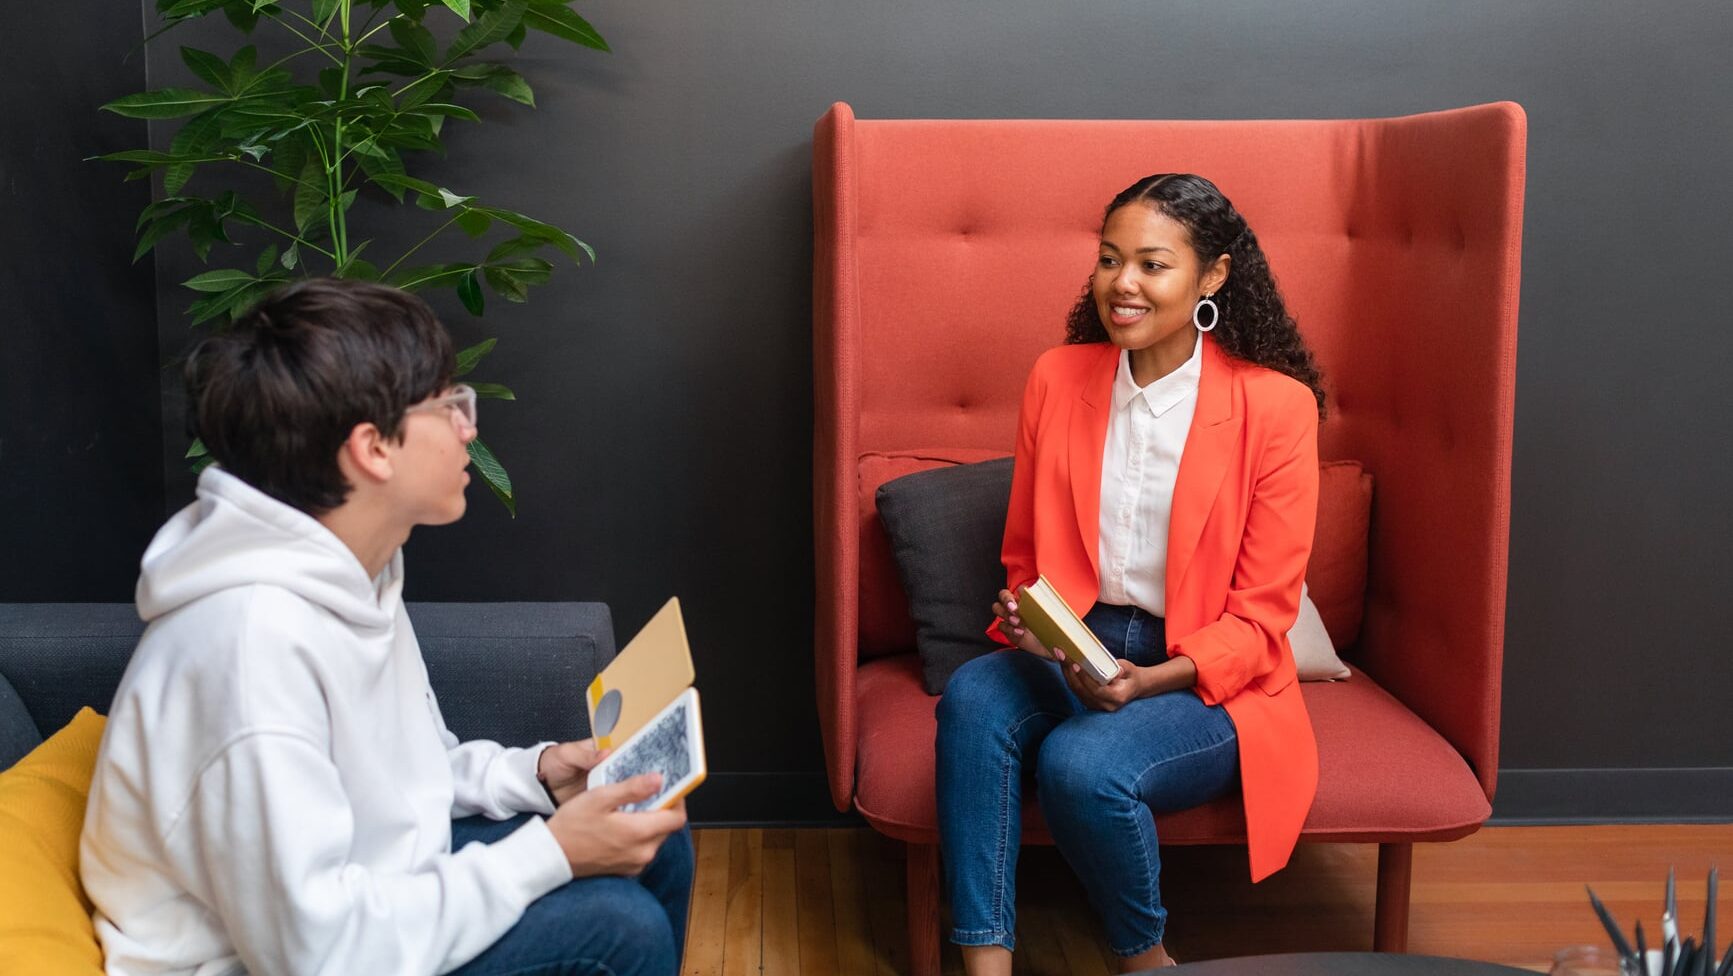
831 901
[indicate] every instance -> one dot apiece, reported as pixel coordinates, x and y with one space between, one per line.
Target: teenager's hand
1011 625
1125 687
565 767
599 838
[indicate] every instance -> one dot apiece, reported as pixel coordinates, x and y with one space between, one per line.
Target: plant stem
334 166
311 44
419 245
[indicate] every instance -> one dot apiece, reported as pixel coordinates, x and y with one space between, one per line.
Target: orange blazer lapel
1086 441
1209 446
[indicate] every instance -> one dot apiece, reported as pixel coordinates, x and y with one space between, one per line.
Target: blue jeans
597 926
1097 775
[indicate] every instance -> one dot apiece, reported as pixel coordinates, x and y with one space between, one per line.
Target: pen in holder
1674 958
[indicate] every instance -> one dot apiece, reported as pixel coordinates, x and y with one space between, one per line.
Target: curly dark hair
1254 324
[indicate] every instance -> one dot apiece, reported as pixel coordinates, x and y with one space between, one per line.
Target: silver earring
1215 314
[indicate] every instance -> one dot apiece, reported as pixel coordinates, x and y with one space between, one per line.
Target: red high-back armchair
947 253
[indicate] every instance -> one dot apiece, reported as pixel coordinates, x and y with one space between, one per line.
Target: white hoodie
276 786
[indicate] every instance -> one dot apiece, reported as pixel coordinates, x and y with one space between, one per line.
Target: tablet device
651 671
670 743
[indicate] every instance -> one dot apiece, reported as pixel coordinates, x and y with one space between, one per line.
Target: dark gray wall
662 442
80 481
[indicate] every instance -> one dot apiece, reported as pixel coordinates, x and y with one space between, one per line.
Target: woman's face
1147 279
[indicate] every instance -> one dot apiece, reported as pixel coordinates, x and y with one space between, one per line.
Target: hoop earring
1215 314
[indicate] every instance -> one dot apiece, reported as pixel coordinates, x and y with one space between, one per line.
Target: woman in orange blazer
1166 477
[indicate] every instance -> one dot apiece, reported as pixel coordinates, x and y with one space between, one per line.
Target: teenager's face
1147 279
430 462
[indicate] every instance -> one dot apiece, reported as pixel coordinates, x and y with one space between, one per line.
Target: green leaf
198 448
266 257
539 231
208 308
510 84
209 68
451 199
387 165
459 7
493 473
422 188
449 110
554 17
516 37
292 256
246 20
220 280
323 9
468 359
200 135
167 103
489 28
171 9
359 269
416 40
474 222
424 89
244 67
469 292
309 194
492 391
512 279
430 276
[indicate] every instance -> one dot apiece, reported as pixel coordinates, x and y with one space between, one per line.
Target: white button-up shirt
1145 438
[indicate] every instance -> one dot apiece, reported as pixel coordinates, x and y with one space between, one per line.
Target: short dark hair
274 396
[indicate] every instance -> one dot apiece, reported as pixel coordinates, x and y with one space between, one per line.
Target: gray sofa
512 672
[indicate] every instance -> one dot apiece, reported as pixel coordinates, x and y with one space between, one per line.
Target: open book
1056 625
644 707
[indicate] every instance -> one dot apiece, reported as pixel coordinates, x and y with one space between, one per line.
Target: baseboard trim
1702 794
1525 797
766 800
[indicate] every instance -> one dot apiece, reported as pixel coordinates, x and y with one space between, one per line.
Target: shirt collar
1164 394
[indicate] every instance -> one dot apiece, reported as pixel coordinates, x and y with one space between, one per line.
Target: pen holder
1588 960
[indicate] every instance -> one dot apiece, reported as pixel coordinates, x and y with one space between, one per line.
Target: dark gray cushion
18 733
946 527
63 656
512 672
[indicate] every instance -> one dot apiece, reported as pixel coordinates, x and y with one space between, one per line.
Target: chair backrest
947 253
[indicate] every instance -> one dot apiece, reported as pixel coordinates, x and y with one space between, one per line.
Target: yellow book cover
1056 625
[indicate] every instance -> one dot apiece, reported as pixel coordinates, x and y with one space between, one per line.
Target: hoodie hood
235 535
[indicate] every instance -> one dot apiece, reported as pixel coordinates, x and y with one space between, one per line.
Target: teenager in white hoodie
276 789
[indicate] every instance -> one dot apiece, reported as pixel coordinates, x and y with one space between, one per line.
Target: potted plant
364 86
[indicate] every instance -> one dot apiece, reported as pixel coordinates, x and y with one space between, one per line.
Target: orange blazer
1244 508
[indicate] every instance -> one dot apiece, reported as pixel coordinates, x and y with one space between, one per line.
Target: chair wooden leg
1390 921
922 867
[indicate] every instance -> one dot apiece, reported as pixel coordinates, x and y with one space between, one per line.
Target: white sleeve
495 781
264 843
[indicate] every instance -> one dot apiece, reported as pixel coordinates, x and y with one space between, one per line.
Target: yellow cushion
44 916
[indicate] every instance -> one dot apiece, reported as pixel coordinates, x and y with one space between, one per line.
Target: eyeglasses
461 397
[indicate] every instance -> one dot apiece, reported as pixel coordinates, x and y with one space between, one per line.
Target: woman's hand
1011 625
1127 686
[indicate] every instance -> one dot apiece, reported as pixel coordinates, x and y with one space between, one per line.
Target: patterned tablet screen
662 747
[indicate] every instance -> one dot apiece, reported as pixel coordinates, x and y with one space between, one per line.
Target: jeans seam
1002 838
1151 893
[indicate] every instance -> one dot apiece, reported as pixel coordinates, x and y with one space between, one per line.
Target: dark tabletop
1343 964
